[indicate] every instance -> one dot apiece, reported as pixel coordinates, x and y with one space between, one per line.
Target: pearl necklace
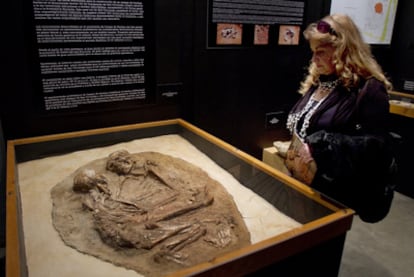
325 88
311 106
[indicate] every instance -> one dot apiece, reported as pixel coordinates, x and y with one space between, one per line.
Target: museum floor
384 249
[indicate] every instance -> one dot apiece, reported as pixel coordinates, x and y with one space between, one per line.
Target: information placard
244 23
93 54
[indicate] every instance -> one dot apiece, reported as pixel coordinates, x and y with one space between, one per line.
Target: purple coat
348 138
349 112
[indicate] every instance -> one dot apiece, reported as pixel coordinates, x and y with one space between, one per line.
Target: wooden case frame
325 222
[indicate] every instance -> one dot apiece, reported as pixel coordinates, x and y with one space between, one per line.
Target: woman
342 118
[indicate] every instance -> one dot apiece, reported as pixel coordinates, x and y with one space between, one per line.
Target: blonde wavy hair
353 59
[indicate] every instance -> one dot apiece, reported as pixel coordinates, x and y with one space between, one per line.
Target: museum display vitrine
290 224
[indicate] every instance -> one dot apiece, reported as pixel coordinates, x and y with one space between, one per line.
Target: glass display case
315 246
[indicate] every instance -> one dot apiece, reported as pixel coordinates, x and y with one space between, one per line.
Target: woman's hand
300 163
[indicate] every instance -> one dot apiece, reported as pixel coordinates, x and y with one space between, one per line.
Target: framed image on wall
374 18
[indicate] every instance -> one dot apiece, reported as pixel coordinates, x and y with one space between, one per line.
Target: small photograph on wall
229 34
261 34
289 35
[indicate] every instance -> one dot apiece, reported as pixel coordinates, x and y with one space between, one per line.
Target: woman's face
323 57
